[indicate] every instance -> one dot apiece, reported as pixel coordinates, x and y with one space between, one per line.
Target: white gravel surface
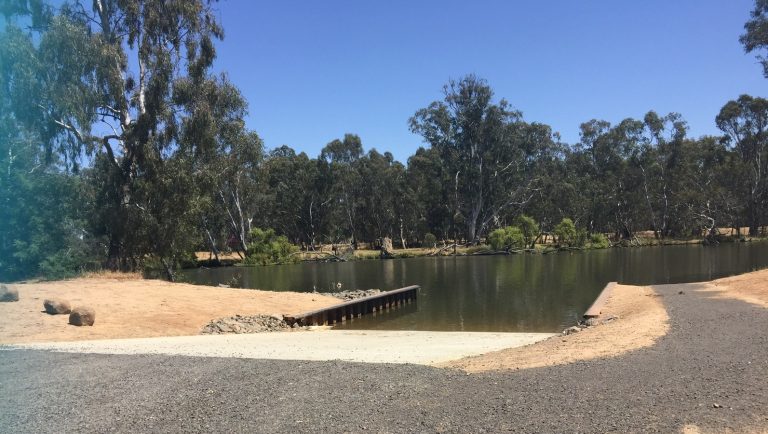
415 347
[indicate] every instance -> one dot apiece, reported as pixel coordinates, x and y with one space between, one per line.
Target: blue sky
312 71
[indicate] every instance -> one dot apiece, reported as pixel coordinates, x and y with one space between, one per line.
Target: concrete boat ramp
369 346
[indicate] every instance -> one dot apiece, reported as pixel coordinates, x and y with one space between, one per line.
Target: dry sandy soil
131 307
641 320
750 287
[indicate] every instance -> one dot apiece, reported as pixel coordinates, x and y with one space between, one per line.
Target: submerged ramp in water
418 347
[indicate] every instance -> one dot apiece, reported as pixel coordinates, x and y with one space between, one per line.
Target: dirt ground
641 320
749 287
131 307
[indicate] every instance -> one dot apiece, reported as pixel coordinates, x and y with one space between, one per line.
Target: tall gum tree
745 124
126 84
488 149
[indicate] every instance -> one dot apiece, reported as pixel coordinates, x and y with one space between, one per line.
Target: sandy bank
749 287
133 307
642 319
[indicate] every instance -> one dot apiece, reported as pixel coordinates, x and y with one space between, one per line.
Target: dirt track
707 374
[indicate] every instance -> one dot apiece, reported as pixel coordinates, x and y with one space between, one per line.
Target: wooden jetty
597 306
349 310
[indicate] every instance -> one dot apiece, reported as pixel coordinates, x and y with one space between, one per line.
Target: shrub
529 228
599 241
506 238
430 240
268 248
565 231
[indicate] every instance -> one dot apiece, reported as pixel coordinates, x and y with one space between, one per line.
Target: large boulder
8 294
82 316
55 306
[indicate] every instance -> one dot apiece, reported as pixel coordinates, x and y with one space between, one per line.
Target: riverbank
128 306
637 318
345 253
705 375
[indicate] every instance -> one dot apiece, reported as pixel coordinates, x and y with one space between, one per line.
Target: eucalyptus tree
756 36
483 146
745 124
658 159
339 161
237 183
296 207
126 83
433 205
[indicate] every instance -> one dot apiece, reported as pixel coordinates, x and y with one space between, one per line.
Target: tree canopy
119 147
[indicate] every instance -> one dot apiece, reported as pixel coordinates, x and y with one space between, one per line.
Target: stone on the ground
354 294
82 316
8 294
571 330
590 322
55 306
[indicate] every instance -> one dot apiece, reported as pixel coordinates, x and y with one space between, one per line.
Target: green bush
599 241
565 231
430 240
530 229
268 248
506 238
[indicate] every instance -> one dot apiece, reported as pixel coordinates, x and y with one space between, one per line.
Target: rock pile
589 322
245 324
354 294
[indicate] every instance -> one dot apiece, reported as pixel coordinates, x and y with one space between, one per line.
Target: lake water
517 293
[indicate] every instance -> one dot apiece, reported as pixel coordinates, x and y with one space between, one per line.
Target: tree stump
386 248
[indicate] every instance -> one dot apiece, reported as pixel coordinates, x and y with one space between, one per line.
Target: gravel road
716 353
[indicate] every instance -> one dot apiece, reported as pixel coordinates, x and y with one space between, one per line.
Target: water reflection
499 293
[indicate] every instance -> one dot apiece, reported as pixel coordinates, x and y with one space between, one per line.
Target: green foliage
430 240
529 228
599 241
566 233
756 36
267 248
510 237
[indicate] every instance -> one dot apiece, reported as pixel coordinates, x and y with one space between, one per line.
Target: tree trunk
168 270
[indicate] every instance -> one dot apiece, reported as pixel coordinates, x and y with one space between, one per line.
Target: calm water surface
519 293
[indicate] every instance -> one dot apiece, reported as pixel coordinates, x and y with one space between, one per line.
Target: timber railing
349 310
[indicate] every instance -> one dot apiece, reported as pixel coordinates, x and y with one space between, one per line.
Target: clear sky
312 71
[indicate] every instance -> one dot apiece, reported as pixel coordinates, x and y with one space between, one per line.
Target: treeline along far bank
120 146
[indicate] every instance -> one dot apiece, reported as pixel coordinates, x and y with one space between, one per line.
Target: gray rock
354 294
591 322
246 324
82 316
571 330
8 294
55 306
